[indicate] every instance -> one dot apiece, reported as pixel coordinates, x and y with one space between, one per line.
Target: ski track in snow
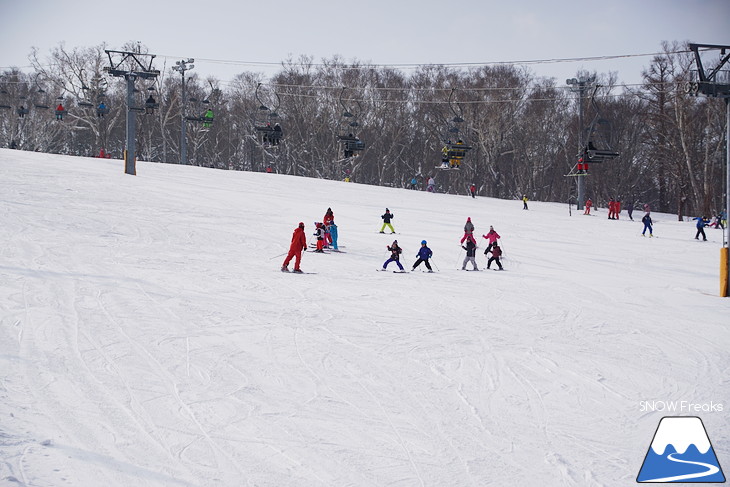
147 338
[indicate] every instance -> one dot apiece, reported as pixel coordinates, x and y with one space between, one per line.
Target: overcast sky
376 31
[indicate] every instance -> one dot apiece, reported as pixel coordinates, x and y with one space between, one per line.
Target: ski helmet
423 242
301 224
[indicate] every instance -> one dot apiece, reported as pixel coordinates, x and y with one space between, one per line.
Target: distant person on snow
630 209
589 204
496 254
492 237
414 183
298 244
471 252
431 185
702 221
646 220
387 216
424 253
468 231
473 191
524 202
395 252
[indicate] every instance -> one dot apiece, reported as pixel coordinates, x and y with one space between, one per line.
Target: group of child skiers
326 235
468 243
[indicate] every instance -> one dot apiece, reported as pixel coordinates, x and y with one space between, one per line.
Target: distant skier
414 182
492 237
298 244
630 209
431 185
387 216
424 253
524 202
496 254
473 191
702 222
589 204
468 231
646 220
611 209
471 252
395 252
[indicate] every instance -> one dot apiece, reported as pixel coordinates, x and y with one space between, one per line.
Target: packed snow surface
148 338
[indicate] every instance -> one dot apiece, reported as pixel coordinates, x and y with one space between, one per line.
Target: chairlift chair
266 119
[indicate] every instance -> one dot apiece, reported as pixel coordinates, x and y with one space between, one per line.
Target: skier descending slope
496 254
298 244
471 250
395 252
424 253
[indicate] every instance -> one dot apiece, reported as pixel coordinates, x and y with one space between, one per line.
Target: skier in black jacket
395 252
471 251
386 221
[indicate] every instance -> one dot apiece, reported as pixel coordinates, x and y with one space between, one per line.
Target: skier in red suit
298 244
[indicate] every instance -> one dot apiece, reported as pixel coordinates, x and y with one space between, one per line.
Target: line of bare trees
523 130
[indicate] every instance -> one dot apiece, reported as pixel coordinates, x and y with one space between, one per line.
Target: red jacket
328 219
496 251
298 240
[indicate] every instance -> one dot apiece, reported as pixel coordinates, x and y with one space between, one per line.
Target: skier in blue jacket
702 221
424 253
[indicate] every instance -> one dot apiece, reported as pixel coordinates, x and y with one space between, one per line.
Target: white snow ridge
148 337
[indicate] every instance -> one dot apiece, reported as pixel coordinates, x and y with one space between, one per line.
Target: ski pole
458 257
280 255
434 264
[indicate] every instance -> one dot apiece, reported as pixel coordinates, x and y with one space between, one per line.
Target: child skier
320 237
471 251
387 216
395 252
496 254
702 221
298 244
468 231
492 237
424 253
647 225
328 220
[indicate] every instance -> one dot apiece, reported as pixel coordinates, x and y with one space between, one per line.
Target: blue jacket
424 253
701 222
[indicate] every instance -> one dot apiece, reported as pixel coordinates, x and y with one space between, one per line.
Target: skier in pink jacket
492 237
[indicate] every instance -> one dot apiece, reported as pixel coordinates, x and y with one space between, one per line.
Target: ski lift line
417 65
468 90
442 102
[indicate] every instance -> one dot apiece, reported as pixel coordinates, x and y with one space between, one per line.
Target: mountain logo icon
681 452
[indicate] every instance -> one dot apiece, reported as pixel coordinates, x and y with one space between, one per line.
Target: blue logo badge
681 452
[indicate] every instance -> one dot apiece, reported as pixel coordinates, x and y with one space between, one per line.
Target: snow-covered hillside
147 337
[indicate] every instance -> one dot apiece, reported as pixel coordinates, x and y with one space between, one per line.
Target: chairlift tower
580 86
715 82
181 67
131 66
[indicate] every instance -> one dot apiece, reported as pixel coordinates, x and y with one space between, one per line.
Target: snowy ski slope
147 337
